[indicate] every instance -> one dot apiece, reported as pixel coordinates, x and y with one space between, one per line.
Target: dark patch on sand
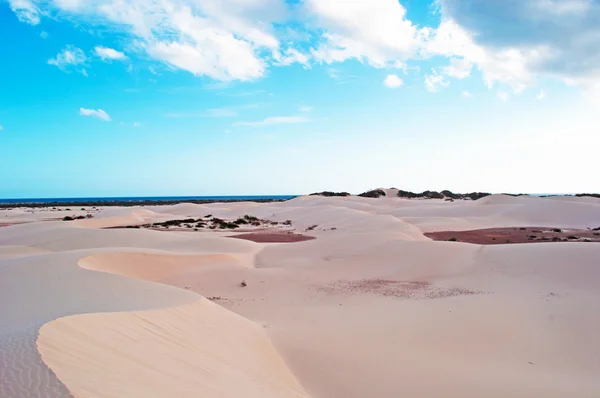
503 236
273 237
8 224
408 290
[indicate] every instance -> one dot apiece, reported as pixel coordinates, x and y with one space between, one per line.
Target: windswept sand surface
369 307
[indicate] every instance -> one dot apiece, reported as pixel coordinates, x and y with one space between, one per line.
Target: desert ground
321 297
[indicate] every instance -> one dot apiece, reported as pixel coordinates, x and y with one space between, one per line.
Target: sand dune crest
194 350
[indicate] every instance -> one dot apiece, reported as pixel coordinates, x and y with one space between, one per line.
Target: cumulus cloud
275 120
553 37
229 40
108 54
224 39
458 68
26 11
393 81
98 113
69 59
372 31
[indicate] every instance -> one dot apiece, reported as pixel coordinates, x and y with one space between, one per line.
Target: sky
258 97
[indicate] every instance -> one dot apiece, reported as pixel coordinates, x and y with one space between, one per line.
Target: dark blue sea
148 198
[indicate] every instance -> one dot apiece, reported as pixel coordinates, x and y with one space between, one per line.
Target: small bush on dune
452 240
68 218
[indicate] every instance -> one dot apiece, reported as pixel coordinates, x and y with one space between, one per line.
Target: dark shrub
432 195
557 230
452 240
376 193
287 222
68 218
330 193
407 194
450 194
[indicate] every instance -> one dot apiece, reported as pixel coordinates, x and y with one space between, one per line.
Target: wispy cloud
467 94
1 127
393 81
305 108
109 54
137 124
70 58
98 113
244 93
270 121
232 111
339 75
503 95
541 95
435 81
44 35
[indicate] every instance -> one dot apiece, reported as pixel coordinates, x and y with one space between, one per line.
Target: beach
320 297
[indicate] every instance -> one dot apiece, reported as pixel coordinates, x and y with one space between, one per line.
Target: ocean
147 198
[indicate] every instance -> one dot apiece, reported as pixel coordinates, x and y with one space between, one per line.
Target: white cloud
221 112
305 108
108 54
275 120
137 124
98 113
557 38
467 94
214 112
70 5
291 56
434 81
26 11
221 57
1 127
225 39
44 34
393 81
459 68
230 40
503 95
373 31
541 95
70 58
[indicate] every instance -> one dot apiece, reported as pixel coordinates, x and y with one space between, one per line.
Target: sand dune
157 266
194 350
369 308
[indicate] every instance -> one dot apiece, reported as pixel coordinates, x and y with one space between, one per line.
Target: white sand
371 308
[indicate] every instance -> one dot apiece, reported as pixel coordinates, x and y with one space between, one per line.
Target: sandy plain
371 307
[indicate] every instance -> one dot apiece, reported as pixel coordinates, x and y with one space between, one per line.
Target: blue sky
225 97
